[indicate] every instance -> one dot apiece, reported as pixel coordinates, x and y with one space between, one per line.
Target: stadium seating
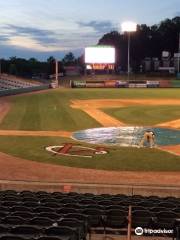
72 216
7 83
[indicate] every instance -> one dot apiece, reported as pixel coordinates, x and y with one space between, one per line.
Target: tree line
33 68
147 41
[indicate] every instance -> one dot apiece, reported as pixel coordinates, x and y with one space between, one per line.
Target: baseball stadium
93 155
91 141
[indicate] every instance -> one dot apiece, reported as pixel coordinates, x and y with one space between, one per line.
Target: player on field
149 138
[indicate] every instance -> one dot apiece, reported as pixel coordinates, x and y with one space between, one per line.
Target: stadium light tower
128 27
178 54
56 72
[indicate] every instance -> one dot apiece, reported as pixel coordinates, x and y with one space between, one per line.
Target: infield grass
145 115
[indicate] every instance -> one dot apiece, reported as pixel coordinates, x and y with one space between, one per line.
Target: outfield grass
145 115
119 159
52 111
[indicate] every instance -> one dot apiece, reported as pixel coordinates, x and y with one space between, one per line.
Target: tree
147 41
69 59
12 69
51 59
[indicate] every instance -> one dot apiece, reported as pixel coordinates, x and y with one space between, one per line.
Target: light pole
178 54
56 73
128 27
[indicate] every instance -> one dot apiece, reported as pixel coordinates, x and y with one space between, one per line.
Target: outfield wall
9 92
126 84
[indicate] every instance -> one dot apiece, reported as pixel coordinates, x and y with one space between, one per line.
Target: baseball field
30 123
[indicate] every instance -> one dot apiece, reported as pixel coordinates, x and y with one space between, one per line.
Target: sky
41 28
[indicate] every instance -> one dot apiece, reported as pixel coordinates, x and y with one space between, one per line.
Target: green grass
51 110
119 159
145 115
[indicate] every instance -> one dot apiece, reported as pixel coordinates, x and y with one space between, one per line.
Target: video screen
101 54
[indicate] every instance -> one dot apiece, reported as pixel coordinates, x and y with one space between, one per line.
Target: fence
126 84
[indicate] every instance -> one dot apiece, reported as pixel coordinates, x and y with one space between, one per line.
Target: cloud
30 38
19 39
98 26
43 36
30 43
42 40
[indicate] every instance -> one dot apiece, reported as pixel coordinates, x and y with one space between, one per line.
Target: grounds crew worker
149 137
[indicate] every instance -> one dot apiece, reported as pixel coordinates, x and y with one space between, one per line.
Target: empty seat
4 229
25 215
95 217
115 219
30 199
51 205
52 238
9 192
80 217
31 204
13 220
3 214
49 200
11 198
10 204
62 232
157 209
67 200
43 209
167 205
166 219
67 210
141 218
26 192
53 216
118 207
20 209
41 221
12 237
94 206
71 205
26 231
106 203
77 225
87 202
136 208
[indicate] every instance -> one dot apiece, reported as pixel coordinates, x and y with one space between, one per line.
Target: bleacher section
73 216
12 85
7 82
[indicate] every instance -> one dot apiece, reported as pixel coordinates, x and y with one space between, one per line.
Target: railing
129 223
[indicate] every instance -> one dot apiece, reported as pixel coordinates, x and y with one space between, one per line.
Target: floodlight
128 26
